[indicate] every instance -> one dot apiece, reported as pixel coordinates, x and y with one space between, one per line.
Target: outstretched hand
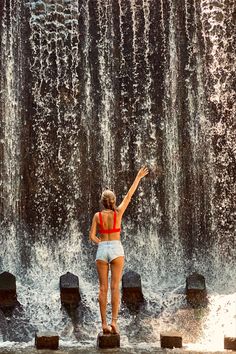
142 172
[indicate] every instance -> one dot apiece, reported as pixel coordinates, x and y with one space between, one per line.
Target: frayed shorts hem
101 259
109 250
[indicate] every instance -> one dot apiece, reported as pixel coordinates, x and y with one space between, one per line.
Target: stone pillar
8 297
196 290
105 341
46 340
69 288
132 289
171 340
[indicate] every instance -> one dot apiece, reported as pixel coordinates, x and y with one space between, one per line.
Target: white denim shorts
109 250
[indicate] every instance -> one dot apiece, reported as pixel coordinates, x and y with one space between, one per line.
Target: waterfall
218 38
11 114
90 91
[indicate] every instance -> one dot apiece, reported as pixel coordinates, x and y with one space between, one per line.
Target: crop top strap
100 219
108 231
114 225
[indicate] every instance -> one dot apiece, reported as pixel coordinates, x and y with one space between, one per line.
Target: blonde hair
108 199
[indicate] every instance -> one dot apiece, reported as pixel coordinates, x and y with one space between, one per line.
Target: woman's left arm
92 234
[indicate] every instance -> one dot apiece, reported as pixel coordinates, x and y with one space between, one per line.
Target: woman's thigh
117 266
102 269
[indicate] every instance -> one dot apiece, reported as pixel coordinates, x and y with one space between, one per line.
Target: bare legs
116 272
102 268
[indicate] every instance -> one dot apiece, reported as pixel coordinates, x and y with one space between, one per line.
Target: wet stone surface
105 341
69 289
196 290
132 289
171 340
230 343
46 340
8 296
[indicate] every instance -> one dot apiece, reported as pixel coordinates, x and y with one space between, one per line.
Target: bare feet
114 327
106 329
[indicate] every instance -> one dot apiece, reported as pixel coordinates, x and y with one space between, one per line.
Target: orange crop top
107 231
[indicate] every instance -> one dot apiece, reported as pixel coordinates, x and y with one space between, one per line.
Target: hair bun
108 199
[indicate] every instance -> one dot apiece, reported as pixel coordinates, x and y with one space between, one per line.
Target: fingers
143 171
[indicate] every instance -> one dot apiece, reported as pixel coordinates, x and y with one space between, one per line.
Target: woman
110 250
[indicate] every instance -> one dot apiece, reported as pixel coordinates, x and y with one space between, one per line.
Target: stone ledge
46 340
230 343
106 341
171 340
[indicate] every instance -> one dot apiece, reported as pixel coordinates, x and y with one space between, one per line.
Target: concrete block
46 340
105 341
171 340
132 288
8 297
196 293
230 343
69 289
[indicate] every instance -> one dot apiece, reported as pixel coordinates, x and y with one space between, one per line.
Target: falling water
11 115
218 38
90 91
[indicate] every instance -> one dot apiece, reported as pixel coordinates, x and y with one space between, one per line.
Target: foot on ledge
106 329
114 327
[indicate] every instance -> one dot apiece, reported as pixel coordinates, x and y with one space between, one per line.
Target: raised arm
123 205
